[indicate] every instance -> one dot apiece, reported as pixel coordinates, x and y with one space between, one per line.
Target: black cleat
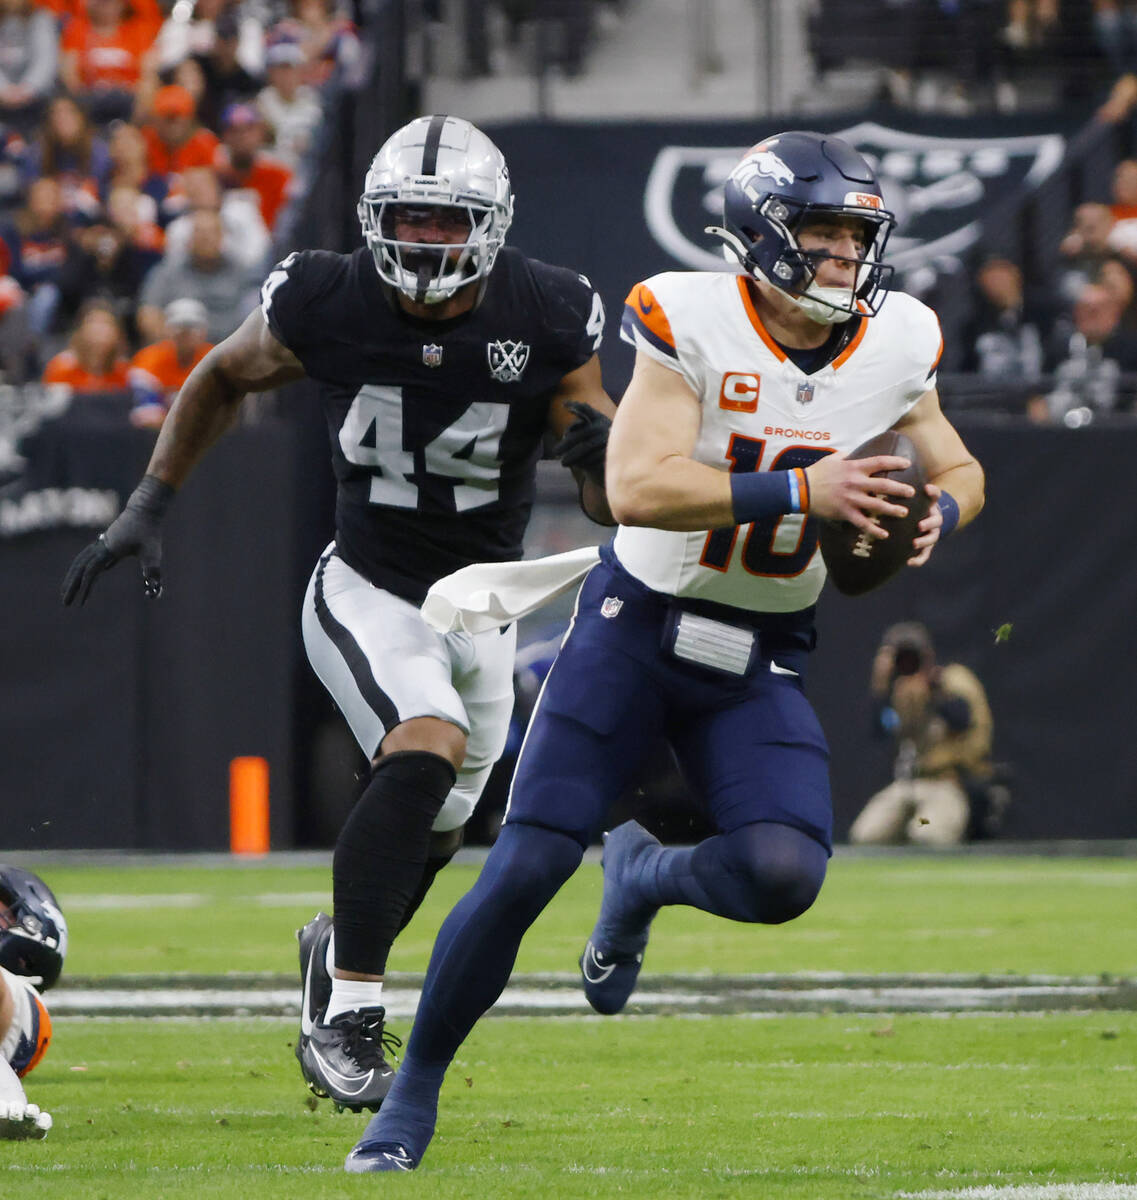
344 1061
315 981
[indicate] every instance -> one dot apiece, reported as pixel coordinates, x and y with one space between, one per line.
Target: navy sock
764 872
472 959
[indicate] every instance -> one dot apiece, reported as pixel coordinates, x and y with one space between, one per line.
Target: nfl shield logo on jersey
432 355
611 606
507 360
805 391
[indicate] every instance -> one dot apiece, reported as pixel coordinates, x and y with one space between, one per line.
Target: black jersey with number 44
436 426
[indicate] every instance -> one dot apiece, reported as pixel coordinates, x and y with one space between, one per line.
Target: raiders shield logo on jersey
432 355
507 360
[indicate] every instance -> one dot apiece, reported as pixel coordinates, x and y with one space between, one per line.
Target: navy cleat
610 964
344 1059
316 982
378 1156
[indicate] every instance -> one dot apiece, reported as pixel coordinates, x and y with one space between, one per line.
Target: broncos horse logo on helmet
33 932
436 162
783 184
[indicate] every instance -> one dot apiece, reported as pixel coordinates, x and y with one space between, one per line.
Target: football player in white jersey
749 391
33 944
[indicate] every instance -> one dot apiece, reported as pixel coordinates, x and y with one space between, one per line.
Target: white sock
349 994
330 955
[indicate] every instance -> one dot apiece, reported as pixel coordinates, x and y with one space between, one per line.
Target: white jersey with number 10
761 412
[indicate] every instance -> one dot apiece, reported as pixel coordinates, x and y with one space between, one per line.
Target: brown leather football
858 563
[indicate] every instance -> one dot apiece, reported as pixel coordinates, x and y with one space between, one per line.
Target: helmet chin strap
826 305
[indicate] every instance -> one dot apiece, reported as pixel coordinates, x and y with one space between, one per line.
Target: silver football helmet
445 162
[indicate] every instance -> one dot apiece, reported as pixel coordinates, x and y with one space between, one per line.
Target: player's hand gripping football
929 529
585 441
136 530
853 490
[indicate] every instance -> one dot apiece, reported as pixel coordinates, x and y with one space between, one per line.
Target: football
858 563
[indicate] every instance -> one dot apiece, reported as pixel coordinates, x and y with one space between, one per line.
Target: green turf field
937 914
802 1107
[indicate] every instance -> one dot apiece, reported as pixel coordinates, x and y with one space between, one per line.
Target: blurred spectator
29 61
1085 248
175 141
1007 337
292 109
1123 208
1115 29
17 342
182 37
1089 377
13 160
329 40
103 52
226 80
942 792
227 289
243 164
108 260
158 371
93 360
130 167
36 245
246 238
69 148
132 212
1123 190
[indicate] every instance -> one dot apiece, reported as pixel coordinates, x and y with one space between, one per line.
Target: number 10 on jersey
759 555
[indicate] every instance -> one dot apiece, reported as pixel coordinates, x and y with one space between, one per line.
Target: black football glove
136 530
585 441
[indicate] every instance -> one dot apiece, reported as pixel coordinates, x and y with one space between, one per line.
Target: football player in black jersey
442 360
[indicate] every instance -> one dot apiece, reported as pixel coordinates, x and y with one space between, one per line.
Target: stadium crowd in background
107 109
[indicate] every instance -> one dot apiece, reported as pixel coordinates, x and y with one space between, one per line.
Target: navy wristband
755 495
950 510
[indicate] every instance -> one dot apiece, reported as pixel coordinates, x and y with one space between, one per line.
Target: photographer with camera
944 790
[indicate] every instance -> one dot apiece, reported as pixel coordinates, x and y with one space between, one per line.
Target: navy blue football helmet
33 932
782 184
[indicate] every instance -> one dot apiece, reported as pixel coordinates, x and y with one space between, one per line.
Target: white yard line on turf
1049 1191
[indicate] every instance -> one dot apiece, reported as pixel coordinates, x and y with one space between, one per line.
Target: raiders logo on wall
939 189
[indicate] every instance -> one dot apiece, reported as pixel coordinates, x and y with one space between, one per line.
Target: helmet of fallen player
436 162
33 932
783 184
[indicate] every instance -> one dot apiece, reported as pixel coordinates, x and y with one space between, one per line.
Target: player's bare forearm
671 492
652 479
249 360
950 465
205 408
966 484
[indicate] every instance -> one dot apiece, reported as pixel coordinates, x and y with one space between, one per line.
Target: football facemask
446 164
